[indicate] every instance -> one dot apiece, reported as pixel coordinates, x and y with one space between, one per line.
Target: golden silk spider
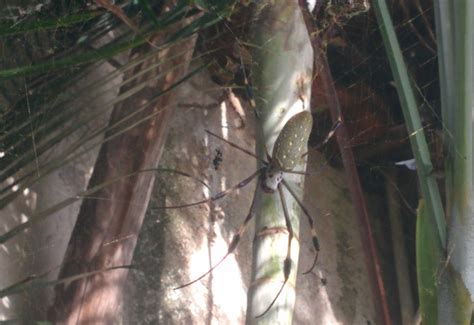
287 152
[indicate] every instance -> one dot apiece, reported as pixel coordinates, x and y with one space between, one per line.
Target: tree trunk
282 73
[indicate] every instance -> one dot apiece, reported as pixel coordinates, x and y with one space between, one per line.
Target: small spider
217 159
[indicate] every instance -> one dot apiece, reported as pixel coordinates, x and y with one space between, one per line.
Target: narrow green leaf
37 282
9 166
72 153
76 61
428 258
147 9
428 182
43 215
45 24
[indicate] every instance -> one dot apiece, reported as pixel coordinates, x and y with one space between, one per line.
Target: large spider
287 152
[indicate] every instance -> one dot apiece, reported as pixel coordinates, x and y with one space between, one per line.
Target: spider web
372 116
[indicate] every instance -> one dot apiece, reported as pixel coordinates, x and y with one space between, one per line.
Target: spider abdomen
291 142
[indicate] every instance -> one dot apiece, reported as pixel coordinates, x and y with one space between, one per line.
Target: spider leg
218 195
297 172
314 234
269 158
232 246
175 171
236 146
331 133
287 262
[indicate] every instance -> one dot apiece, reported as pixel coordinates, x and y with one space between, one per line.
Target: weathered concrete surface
177 246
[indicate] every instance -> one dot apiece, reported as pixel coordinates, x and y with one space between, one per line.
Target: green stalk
428 256
445 43
462 130
428 183
456 278
282 70
455 23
